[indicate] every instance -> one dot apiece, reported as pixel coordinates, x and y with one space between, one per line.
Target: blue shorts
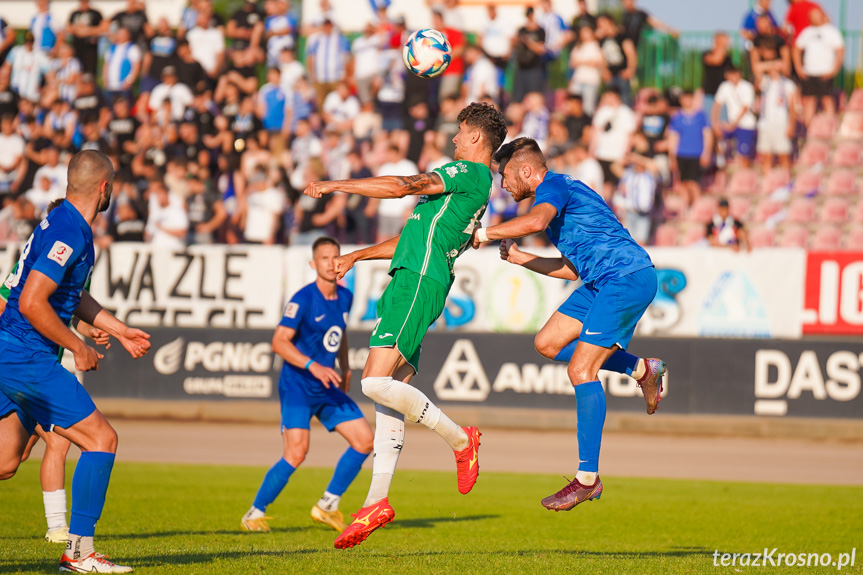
8 407
744 140
41 388
609 314
331 407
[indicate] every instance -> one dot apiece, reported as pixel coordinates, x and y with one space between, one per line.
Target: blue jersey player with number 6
309 338
593 327
46 291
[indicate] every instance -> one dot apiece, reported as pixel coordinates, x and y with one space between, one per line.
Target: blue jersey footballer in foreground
46 291
593 327
309 338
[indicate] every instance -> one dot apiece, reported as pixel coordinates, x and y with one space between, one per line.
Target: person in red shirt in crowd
450 80
797 17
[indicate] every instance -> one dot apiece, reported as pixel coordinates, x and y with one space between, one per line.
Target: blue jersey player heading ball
592 329
309 338
46 291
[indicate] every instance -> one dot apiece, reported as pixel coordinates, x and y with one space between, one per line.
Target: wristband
482 235
308 363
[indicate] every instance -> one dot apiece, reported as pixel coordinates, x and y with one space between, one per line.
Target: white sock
586 478
79 547
416 407
254 513
329 502
55 508
389 439
640 369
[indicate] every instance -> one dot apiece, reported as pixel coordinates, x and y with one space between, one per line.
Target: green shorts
408 306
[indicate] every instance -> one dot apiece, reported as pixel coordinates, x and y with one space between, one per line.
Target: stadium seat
775 179
827 238
743 182
794 237
841 183
807 183
761 237
855 103
852 125
801 211
854 241
767 208
720 184
847 154
693 234
674 205
666 235
703 209
739 207
835 210
814 153
822 127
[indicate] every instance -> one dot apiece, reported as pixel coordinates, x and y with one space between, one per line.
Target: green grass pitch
186 519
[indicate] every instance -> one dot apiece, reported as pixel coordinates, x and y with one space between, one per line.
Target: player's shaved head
520 151
87 171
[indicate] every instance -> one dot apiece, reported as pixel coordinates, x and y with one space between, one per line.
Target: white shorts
773 138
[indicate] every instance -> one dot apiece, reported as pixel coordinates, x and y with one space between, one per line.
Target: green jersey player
452 199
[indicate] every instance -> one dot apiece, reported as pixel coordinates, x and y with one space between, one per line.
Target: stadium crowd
216 127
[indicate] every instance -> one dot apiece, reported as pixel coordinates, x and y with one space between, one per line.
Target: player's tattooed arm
381 186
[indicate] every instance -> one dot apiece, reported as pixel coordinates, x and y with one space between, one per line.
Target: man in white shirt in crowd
496 39
11 156
53 169
818 54
341 108
43 193
777 121
366 50
737 97
636 193
178 95
613 126
582 166
167 220
265 205
207 44
28 65
290 70
393 213
481 77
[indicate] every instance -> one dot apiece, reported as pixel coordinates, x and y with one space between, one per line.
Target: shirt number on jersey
471 226
14 279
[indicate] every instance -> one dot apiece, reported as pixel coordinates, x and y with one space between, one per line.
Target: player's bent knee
579 375
377 389
8 469
545 347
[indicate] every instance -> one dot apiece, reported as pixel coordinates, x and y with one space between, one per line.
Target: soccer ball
427 53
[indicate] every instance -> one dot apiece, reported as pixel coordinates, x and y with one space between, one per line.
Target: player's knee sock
89 486
55 508
622 362
274 481
590 407
416 407
329 501
565 354
389 439
346 471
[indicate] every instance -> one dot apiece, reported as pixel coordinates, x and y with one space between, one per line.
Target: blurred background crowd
217 125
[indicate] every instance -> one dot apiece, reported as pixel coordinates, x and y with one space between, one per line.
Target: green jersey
440 227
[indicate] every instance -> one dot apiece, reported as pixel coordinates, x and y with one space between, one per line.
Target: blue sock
346 471
274 481
565 354
89 486
621 362
590 408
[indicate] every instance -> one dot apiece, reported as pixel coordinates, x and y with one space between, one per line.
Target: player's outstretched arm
552 267
381 186
284 346
536 220
382 251
35 307
136 342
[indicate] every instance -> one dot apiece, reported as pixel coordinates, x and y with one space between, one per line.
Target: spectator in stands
178 96
529 51
43 193
122 66
723 231
636 193
613 126
635 20
651 139
207 46
777 119
450 79
621 59
167 221
578 121
737 97
205 209
359 219
818 53
265 203
583 17
716 62
86 26
340 108
122 130
690 146
588 64
11 157
7 39
366 52
280 29
393 213
556 33
64 71
27 66
769 50
327 56
536 118
797 17
162 53
90 105
127 216
245 29
133 19
748 29
582 166
43 28
54 170
496 40
482 79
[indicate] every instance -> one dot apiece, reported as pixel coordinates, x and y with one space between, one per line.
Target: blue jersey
319 324
61 247
587 233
